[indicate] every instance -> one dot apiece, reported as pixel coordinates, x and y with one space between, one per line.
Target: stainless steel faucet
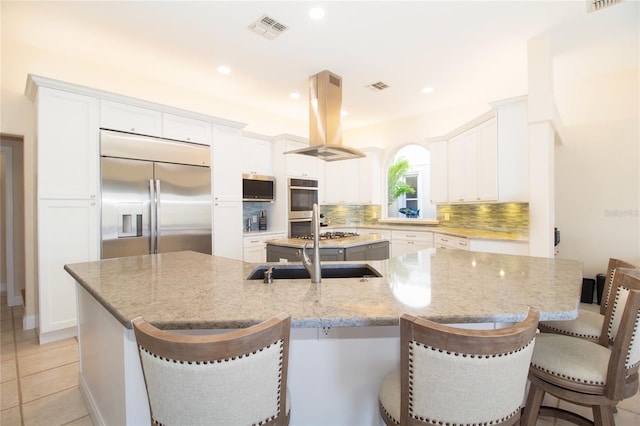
313 267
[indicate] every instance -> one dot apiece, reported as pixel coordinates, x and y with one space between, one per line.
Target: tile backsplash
351 214
503 217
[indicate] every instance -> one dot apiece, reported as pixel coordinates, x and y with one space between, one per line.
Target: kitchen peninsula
344 331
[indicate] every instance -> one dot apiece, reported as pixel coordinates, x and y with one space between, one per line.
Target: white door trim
12 298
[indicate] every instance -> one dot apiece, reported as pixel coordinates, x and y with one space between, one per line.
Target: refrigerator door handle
152 216
158 203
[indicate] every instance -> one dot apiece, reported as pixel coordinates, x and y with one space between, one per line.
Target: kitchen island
344 334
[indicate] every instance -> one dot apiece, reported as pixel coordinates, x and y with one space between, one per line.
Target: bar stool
587 373
454 376
237 378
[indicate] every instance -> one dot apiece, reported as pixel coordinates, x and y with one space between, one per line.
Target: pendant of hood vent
325 121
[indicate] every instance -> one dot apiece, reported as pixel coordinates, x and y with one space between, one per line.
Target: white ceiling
469 52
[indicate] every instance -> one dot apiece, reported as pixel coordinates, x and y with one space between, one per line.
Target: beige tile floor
39 383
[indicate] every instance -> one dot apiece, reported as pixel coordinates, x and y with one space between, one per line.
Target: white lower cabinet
255 247
406 242
67 233
450 241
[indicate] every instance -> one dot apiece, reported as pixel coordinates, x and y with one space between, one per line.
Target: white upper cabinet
370 171
488 161
67 134
130 118
257 156
341 182
354 181
226 164
438 178
186 129
299 165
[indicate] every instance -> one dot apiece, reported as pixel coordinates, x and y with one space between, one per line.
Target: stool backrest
611 269
457 376
621 330
238 377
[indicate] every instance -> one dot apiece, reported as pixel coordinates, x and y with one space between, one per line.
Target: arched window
408 184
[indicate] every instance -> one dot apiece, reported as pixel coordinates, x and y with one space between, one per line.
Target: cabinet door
255 254
488 161
129 118
257 156
370 174
301 165
67 134
186 129
226 164
342 182
67 233
227 229
438 179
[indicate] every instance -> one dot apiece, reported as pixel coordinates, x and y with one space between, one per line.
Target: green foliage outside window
396 184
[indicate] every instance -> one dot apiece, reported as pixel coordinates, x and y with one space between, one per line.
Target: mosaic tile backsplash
502 217
341 215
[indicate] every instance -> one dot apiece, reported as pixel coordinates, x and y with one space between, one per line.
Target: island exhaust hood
325 125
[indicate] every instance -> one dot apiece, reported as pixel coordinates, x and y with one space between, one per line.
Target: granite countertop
345 242
189 290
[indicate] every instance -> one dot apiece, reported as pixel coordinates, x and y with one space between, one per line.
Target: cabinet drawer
186 129
129 118
417 236
449 241
260 240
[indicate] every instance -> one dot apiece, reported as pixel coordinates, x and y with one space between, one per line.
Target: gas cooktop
330 235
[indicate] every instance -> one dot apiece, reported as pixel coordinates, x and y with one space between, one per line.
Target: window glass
408 184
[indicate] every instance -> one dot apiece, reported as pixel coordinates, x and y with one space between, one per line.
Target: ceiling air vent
268 27
594 5
377 87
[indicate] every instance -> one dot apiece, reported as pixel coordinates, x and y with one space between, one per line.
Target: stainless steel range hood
325 121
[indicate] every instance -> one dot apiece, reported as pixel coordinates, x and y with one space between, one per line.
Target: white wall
597 90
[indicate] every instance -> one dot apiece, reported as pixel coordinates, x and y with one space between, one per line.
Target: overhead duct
325 121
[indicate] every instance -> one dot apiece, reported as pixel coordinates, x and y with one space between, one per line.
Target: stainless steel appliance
156 195
303 194
325 120
258 187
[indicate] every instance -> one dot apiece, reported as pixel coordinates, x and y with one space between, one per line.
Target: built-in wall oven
303 194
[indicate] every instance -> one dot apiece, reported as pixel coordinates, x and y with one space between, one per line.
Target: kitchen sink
298 271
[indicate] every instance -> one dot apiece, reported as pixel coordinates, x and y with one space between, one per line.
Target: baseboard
54 336
28 322
92 407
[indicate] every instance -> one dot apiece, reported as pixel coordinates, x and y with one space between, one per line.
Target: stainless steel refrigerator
155 195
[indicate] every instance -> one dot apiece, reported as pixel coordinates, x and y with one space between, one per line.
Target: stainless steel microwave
258 187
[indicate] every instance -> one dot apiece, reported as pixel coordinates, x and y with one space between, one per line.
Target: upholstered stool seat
588 325
582 361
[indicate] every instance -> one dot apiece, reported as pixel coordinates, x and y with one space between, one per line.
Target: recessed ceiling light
316 13
294 95
223 69
427 90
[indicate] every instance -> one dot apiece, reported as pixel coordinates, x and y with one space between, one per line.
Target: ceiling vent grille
378 87
268 27
595 5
